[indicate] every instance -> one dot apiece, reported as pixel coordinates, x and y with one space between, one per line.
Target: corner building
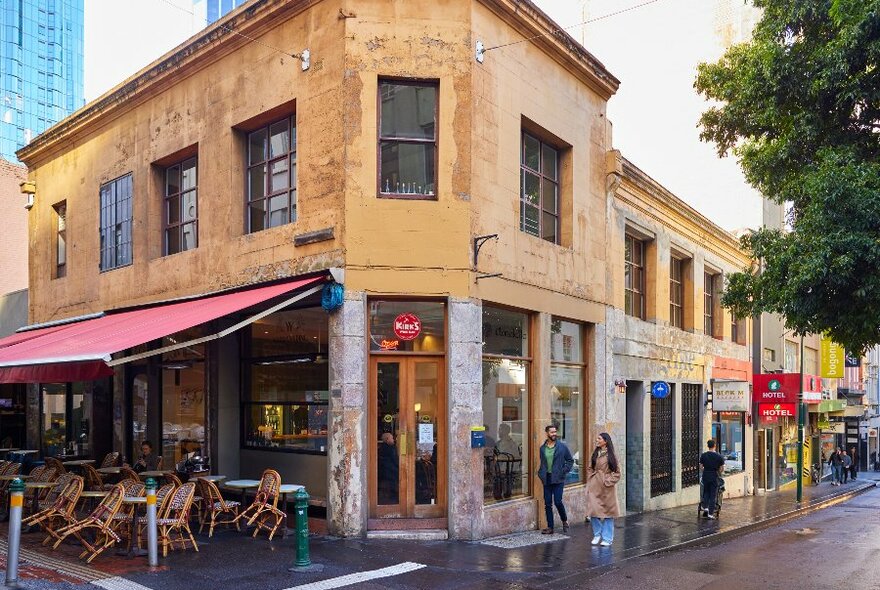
210 198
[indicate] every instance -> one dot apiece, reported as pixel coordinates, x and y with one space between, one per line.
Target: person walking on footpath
602 477
555 462
847 464
712 465
855 463
836 462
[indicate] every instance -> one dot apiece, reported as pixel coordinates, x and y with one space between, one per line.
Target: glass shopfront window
567 371
729 434
506 375
407 326
67 414
287 383
183 399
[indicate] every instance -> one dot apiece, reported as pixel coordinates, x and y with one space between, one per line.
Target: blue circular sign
660 389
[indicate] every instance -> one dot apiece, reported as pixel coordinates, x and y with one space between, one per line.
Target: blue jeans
553 495
603 527
837 473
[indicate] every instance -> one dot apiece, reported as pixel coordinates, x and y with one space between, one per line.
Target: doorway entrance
407 438
765 476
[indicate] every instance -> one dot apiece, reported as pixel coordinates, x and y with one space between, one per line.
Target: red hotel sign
784 387
777 410
407 326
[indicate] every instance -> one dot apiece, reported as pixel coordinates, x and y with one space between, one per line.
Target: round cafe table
213 478
78 462
243 485
110 470
37 487
135 502
13 477
284 490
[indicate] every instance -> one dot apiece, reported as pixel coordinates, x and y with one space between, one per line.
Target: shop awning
83 351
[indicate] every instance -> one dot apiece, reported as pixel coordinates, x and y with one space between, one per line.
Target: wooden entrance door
407 437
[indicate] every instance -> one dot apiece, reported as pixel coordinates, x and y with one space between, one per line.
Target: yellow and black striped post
16 502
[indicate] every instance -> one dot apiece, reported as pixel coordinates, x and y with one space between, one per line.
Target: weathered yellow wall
200 104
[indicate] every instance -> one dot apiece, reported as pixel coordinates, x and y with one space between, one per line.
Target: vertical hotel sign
833 357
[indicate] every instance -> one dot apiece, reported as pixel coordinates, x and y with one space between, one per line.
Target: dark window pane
549 162
278 210
257 183
257 146
531 152
505 332
189 206
172 180
407 110
189 174
278 176
279 139
531 189
531 215
172 240
173 210
407 168
548 228
257 215
293 205
189 236
550 197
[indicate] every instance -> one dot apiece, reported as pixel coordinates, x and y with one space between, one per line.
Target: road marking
118 583
74 570
356 578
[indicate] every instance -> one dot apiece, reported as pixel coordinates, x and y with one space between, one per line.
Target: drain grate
522 540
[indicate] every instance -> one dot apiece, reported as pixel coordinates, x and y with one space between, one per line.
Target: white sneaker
710 516
596 539
605 543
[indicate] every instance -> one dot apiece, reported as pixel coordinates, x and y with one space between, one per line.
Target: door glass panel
79 418
388 410
183 411
139 398
54 418
426 411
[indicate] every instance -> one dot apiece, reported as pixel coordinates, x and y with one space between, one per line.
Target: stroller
718 498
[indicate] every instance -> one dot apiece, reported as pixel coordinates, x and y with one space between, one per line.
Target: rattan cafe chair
214 506
100 522
265 505
61 512
176 520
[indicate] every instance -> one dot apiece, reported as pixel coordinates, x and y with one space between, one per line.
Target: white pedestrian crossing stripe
356 578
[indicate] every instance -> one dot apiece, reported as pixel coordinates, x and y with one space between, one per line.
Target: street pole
800 407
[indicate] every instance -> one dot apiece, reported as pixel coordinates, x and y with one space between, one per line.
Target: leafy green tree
799 106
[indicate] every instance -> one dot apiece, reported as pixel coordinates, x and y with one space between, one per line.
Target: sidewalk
523 560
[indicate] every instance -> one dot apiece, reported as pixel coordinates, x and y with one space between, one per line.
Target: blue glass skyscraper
41 68
212 10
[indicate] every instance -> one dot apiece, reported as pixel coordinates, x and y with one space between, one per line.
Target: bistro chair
93 479
11 469
123 521
100 521
265 504
163 499
42 474
176 519
61 512
58 465
126 472
172 478
53 494
214 505
110 459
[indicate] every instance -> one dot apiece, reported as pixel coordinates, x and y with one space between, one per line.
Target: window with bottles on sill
286 377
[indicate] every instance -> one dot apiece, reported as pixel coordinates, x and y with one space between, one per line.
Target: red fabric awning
80 351
28 335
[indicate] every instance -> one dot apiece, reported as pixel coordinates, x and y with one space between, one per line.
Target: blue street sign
660 389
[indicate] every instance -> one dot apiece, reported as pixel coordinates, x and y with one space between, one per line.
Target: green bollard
303 563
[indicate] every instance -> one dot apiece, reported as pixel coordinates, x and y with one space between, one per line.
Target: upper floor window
634 277
737 330
271 175
116 223
676 292
709 302
539 189
408 139
181 207
60 239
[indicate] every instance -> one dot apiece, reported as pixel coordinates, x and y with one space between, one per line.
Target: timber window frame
710 302
180 207
540 188
271 175
676 292
60 211
401 142
634 276
115 225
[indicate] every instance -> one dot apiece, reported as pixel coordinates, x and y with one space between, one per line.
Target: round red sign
407 326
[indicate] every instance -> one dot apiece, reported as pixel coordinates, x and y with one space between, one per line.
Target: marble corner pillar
347 454
465 409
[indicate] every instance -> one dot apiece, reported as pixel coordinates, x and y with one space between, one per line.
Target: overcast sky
653 50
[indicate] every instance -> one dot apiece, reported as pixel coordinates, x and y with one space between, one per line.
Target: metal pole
152 541
301 512
16 501
800 406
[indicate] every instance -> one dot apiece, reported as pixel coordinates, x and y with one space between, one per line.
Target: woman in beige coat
602 477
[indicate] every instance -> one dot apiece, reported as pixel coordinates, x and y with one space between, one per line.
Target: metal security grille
691 414
661 445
